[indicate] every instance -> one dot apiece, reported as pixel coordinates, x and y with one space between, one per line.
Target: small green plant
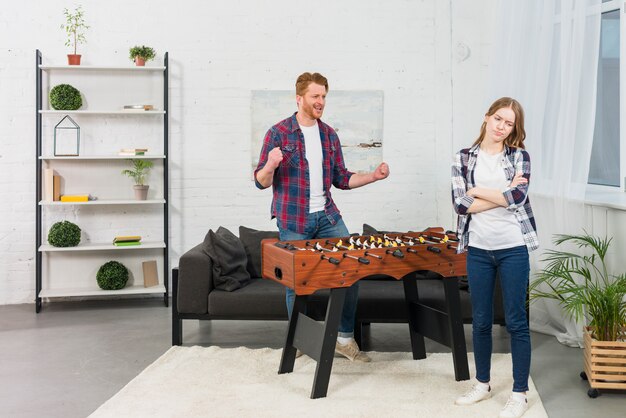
75 27
64 234
144 52
140 170
65 97
112 275
583 286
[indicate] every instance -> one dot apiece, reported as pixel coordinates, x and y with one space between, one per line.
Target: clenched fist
381 172
274 158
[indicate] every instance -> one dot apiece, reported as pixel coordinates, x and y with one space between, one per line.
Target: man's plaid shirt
516 160
291 185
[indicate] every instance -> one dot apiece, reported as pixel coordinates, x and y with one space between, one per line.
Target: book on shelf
48 185
76 198
126 243
126 238
150 275
133 151
56 188
138 107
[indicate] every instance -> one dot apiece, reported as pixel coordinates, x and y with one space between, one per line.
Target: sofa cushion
229 259
261 299
251 240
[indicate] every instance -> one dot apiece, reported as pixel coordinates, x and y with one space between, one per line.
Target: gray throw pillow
251 240
229 259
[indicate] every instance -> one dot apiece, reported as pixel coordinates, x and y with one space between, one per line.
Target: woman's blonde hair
518 134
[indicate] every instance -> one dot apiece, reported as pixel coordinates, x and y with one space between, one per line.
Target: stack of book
133 151
127 240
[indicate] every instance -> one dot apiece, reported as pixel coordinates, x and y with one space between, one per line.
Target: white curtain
546 56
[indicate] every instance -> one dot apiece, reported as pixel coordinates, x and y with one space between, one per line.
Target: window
607 155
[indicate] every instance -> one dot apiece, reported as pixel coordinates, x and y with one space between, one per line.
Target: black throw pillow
229 259
369 230
251 240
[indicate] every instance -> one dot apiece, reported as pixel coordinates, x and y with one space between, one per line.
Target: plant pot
141 192
73 59
605 362
140 62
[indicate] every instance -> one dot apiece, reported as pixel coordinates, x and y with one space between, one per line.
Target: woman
497 228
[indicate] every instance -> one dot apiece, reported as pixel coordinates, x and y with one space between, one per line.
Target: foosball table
307 266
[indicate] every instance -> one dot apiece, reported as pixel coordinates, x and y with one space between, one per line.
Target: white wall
219 52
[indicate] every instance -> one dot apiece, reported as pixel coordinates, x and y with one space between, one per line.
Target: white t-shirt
313 154
496 228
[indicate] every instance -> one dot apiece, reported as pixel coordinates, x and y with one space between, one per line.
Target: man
301 158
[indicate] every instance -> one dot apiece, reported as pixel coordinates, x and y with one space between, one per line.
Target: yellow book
75 198
126 238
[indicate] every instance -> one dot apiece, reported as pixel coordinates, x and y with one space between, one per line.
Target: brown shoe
299 354
351 351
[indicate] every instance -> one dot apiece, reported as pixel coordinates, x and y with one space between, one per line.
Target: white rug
241 382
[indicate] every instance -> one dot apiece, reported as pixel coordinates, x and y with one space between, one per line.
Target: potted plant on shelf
139 172
75 29
141 54
583 286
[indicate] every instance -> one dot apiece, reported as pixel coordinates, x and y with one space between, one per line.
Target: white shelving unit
64 272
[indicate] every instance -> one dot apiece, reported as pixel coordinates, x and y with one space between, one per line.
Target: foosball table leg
457 334
411 297
329 339
289 351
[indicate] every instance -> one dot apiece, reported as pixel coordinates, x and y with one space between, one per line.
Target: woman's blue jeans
319 226
514 267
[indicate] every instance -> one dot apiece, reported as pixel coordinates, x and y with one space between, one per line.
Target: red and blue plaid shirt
291 184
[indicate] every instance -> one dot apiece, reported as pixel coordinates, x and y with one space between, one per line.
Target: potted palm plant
139 172
75 29
583 286
141 54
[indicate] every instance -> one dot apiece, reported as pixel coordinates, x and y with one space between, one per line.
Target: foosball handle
433 249
281 245
331 260
364 260
411 250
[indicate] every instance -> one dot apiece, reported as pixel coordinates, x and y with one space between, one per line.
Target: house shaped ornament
66 138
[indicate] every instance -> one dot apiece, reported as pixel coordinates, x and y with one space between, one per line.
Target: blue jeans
318 226
514 268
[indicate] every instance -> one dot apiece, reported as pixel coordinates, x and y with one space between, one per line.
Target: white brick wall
219 52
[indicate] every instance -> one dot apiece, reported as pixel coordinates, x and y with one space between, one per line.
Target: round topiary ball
65 97
64 234
112 276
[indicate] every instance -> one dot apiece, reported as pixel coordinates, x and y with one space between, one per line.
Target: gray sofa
381 299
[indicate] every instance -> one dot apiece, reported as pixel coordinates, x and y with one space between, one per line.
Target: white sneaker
479 392
515 407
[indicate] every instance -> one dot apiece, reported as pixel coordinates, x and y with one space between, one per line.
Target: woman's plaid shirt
517 160
291 184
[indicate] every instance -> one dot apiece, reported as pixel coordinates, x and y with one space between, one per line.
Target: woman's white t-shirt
496 228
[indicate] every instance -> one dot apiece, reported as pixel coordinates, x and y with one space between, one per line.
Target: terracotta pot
140 62
73 59
141 192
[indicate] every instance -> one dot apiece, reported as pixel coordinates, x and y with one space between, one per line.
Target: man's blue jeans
318 226
514 268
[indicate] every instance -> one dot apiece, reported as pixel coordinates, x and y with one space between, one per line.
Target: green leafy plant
65 97
64 234
112 275
140 170
583 286
144 52
75 27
